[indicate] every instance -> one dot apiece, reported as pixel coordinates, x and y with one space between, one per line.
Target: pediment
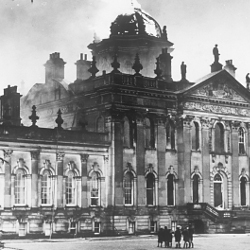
219 86
219 89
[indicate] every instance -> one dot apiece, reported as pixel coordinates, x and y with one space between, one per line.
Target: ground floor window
243 182
153 226
97 227
131 227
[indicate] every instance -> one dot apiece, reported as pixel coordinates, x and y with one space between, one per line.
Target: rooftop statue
216 53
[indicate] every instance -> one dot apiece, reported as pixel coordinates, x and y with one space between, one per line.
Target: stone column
84 169
140 162
184 159
235 163
205 150
8 182
59 166
161 155
118 159
108 182
34 178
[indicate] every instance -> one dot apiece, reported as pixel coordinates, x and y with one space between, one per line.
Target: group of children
166 236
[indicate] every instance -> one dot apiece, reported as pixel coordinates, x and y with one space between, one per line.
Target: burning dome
136 22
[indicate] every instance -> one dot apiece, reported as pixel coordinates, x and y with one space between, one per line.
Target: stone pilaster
34 178
235 162
59 165
84 164
161 155
140 161
184 159
108 182
8 180
205 150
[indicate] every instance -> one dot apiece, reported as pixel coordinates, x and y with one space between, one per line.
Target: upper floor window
126 133
46 188
95 189
70 188
149 134
195 136
20 187
128 188
100 124
241 141
170 134
150 179
219 138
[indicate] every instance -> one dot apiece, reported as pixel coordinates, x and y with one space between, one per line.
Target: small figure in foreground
185 238
160 237
177 236
190 236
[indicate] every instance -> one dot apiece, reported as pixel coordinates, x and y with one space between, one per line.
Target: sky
29 32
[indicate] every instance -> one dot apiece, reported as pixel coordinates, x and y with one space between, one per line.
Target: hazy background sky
30 32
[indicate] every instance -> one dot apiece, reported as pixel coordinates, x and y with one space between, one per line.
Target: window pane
70 188
46 188
219 138
95 189
170 191
128 188
19 187
150 189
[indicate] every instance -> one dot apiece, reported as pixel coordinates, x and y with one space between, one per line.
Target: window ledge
171 150
242 154
196 150
21 207
46 206
71 206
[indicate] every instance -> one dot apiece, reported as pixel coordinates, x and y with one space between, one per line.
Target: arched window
70 188
126 133
170 190
219 138
170 134
150 179
95 189
195 136
128 188
149 133
243 182
218 191
100 125
46 188
20 187
241 141
196 179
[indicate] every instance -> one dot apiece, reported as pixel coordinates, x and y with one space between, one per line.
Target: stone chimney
165 65
10 106
54 68
229 67
82 67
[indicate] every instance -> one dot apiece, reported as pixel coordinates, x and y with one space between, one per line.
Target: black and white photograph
124 124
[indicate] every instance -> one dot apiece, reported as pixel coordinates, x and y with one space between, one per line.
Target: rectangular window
153 226
46 189
94 197
70 190
19 190
97 227
131 227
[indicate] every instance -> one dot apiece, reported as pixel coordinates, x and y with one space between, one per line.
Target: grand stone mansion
126 149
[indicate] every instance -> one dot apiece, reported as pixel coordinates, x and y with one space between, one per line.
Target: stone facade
141 152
